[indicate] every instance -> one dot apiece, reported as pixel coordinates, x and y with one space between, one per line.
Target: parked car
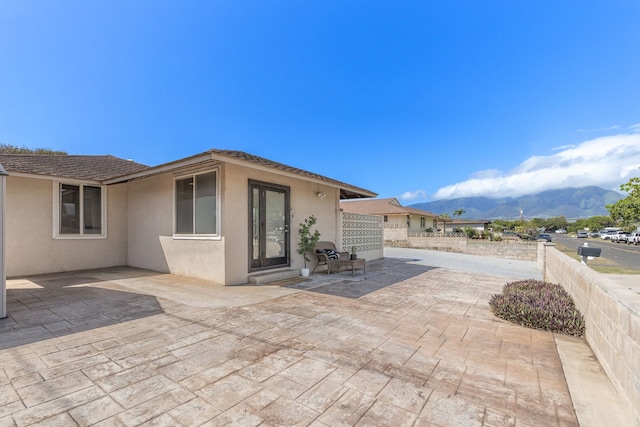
633 238
582 235
544 236
561 231
607 235
619 236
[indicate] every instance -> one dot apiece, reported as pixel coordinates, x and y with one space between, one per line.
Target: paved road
469 263
626 256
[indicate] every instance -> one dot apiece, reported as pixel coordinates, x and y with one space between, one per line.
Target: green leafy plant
538 305
308 239
470 233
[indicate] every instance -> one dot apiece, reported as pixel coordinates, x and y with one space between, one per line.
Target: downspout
3 272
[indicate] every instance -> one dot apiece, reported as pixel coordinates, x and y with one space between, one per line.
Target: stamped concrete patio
405 345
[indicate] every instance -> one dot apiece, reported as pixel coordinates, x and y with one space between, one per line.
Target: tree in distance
13 149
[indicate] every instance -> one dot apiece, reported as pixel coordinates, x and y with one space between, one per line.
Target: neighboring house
395 215
220 216
461 224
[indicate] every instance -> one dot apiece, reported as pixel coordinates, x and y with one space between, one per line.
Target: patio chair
328 255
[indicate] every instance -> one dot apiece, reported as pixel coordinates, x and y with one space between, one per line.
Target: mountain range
572 203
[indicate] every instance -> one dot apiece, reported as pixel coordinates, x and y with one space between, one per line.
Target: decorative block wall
365 232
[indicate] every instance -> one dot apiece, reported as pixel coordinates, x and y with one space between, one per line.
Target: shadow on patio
51 305
380 274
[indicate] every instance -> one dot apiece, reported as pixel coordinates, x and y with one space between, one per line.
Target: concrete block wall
612 323
448 244
523 251
509 249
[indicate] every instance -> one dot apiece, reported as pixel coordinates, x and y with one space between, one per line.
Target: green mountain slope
572 203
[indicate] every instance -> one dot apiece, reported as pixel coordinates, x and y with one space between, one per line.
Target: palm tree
458 212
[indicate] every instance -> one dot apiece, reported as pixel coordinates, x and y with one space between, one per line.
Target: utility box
587 251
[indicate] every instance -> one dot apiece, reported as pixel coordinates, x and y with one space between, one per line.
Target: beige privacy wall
612 321
365 233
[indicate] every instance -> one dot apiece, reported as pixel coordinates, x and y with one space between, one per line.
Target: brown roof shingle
94 168
381 207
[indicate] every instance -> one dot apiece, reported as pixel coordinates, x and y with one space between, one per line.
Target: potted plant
307 241
353 253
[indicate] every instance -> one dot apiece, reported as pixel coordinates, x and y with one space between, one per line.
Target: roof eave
346 191
165 167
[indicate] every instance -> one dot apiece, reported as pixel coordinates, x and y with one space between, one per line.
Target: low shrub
538 305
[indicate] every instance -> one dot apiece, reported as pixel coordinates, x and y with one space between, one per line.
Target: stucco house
221 215
395 215
461 224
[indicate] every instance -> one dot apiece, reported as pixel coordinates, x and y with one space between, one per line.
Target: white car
607 235
633 238
619 236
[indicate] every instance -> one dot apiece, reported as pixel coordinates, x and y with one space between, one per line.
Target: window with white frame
81 210
196 204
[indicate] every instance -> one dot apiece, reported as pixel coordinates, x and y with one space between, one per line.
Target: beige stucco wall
30 246
400 221
151 244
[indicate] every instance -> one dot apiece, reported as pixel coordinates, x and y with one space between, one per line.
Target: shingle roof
381 207
95 168
347 191
100 168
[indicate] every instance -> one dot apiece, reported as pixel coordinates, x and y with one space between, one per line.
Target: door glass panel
255 224
275 224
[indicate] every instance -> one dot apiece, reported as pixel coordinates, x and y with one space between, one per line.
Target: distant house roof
390 206
95 168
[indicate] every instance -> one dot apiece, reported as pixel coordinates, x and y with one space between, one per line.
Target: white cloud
412 195
635 128
562 147
614 127
488 173
605 162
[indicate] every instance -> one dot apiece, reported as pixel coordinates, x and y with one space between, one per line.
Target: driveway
405 345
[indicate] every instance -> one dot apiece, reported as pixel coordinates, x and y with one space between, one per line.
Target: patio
404 344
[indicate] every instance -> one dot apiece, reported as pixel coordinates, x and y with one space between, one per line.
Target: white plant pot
304 272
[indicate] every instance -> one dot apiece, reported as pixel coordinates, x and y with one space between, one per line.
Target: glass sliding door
269 225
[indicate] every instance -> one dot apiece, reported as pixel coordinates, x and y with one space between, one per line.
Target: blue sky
418 100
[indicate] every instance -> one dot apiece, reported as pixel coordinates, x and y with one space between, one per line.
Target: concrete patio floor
403 345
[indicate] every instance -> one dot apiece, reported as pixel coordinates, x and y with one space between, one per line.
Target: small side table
359 263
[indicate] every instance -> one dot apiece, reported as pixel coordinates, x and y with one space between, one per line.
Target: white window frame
56 211
191 236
